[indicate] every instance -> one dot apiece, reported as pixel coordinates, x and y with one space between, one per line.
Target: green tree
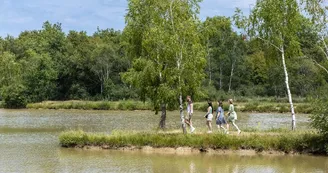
317 13
39 77
319 117
276 23
11 89
108 61
216 32
10 70
167 51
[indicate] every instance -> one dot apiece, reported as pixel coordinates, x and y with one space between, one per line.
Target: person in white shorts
209 116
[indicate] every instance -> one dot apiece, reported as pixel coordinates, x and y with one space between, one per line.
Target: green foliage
10 70
92 105
168 58
166 52
249 106
13 96
40 77
285 142
320 114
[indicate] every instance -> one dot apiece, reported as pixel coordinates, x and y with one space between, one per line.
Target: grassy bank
285 142
91 105
138 105
1 104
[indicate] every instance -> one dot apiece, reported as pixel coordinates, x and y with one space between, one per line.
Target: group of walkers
219 116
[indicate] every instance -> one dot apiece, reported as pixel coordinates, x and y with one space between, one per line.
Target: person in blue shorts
220 120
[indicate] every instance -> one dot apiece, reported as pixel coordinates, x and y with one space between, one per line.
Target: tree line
165 53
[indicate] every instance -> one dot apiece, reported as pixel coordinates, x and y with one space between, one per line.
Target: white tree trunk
231 74
183 124
209 63
325 50
287 87
220 77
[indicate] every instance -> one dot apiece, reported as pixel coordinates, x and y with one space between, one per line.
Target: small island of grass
283 142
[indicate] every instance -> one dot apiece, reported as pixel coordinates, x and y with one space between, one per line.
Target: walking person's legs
192 128
189 122
221 126
233 123
209 125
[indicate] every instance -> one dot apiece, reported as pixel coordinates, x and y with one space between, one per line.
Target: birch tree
162 38
276 23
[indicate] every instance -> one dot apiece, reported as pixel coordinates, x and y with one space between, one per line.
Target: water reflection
118 161
29 143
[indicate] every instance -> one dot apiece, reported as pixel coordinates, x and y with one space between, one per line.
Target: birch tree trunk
288 89
209 63
220 77
162 123
231 74
325 50
183 124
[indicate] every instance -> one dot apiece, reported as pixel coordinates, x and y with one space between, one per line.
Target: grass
279 141
2 104
138 105
91 105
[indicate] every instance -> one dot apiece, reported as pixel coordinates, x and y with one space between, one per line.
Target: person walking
190 111
209 116
220 120
232 116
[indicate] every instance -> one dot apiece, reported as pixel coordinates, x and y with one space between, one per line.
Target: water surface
29 143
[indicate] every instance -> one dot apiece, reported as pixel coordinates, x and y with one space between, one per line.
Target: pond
29 143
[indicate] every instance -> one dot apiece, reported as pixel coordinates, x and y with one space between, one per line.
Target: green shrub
283 108
14 96
320 112
250 107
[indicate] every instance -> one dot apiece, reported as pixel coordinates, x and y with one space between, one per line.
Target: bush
14 97
320 112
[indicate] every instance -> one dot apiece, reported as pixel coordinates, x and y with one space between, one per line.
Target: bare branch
322 67
270 43
324 52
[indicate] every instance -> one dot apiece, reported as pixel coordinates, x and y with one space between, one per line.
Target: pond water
29 143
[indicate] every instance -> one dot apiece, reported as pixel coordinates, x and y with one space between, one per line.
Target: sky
87 15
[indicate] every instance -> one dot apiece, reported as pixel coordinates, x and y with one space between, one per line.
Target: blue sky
86 15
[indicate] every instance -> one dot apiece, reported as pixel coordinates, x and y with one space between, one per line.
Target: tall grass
138 105
285 142
2 104
92 105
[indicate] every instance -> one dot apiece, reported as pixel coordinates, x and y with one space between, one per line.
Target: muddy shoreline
189 150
